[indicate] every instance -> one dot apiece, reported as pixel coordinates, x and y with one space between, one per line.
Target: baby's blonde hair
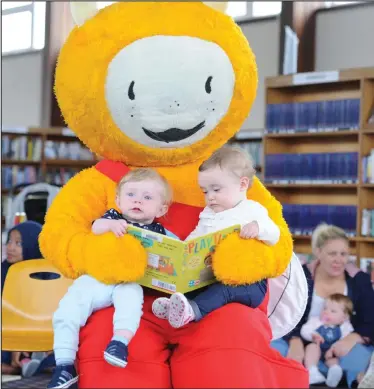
233 159
344 300
326 232
143 174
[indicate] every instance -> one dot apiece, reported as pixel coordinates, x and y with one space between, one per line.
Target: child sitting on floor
142 196
224 179
332 325
22 245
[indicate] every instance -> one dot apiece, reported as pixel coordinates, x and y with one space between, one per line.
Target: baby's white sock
315 376
334 375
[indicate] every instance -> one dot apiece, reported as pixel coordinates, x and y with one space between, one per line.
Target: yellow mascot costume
162 85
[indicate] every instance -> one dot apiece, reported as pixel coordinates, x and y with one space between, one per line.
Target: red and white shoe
180 311
160 307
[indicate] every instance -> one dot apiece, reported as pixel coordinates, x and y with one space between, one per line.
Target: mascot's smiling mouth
173 134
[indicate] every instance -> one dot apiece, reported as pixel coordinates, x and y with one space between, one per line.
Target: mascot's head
155 83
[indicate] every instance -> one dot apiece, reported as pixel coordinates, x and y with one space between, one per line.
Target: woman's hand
343 346
296 350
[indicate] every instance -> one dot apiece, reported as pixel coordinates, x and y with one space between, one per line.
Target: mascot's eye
131 91
208 87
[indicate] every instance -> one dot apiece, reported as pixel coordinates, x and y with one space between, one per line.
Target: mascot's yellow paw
245 261
113 260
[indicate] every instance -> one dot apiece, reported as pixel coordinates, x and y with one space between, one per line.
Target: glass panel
38 41
16 31
337 3
266 8
102 4
237 8
14 4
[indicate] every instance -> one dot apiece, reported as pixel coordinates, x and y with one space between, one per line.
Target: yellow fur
66 238
82 69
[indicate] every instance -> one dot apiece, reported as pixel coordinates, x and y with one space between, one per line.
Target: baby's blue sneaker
64 376
116 353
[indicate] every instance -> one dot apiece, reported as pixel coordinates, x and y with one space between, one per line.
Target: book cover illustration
179 266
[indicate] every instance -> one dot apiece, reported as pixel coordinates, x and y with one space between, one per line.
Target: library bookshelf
24 158
318 134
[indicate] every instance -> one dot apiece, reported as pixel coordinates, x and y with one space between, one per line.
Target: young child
22 245
332 325
142 195
224 179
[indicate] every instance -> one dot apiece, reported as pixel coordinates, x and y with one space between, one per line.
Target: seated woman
327 275
22 244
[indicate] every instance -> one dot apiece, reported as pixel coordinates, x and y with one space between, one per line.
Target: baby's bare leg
331 362
312 355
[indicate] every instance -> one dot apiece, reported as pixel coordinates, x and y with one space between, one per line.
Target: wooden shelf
322 134
308 237
344 76
322 86
369 127
322 186
19 163
69 163
367 239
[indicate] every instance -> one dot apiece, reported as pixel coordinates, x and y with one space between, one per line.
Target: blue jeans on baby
355 362
217 295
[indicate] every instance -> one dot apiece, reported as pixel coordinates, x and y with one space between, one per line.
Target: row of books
311 168
368 168
367 223
330 115
302 219
59 176
16 175
253 148
67 150
21 148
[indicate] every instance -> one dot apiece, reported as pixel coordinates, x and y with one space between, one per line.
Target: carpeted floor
37 382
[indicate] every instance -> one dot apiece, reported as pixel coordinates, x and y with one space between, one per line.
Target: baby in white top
224 179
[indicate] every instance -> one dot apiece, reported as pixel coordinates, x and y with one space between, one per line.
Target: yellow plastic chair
28 305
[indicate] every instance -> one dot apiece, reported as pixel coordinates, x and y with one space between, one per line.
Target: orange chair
28 305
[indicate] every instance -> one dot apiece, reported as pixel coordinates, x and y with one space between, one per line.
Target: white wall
345 38
263 37
22 87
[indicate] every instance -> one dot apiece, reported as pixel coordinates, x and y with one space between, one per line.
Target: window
234 8
23 26
237 8
337 3
266 8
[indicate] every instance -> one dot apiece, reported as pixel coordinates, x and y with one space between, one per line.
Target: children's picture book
179 266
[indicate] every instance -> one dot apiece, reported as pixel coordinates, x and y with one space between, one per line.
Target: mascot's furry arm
67 241
240 261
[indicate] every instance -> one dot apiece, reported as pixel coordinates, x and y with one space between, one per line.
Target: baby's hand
317 338
118 227
250 230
